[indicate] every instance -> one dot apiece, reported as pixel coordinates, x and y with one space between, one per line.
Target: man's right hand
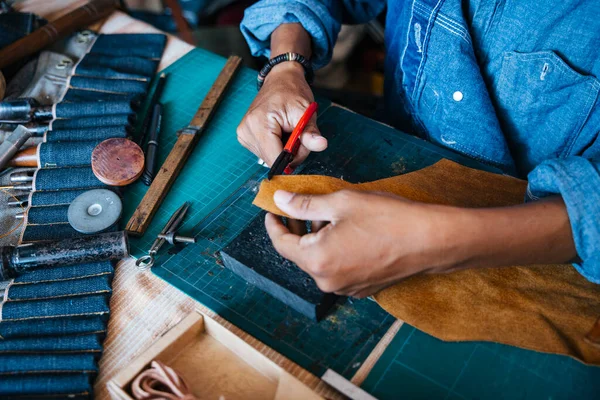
280 103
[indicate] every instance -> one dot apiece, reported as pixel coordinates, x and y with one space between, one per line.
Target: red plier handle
282 163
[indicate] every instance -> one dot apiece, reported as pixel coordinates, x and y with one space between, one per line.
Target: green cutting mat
419 366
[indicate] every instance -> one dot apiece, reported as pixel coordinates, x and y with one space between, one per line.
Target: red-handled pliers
282 163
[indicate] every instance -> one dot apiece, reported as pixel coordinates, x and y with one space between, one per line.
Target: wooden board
169 171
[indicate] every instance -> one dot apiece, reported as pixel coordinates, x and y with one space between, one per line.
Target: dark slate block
252 256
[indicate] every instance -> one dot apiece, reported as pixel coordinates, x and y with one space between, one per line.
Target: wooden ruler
188 137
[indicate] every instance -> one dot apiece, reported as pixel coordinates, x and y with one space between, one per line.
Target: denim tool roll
87 134
53 198
53 320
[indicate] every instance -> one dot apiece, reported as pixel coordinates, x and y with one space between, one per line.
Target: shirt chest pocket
542 106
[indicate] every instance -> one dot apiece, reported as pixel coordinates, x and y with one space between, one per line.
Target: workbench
143 307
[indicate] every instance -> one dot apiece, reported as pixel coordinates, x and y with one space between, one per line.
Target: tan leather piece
547 308
445 182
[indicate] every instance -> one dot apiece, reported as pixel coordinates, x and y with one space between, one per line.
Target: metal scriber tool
24 110
21 177
167 234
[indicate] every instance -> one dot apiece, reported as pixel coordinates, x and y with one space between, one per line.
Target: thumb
311 140
306 206
311 137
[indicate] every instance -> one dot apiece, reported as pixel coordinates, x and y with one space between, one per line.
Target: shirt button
457 96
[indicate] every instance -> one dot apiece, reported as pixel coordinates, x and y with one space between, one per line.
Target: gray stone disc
94 210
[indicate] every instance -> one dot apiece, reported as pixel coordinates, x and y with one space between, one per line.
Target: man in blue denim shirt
511 83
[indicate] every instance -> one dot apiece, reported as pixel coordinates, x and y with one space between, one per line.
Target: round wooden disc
117 162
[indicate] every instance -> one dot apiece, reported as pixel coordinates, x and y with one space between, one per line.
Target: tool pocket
543 105
117 67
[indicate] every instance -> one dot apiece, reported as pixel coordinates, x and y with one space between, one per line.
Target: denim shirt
511 83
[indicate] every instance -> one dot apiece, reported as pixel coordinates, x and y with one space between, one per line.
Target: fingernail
282 197
268 216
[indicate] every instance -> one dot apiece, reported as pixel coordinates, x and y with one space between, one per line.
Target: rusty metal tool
89 248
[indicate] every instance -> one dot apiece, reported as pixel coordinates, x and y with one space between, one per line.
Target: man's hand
281 101
374 240
278 107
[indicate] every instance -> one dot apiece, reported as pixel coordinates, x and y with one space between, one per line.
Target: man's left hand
372 240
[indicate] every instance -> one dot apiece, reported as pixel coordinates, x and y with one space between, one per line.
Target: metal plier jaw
169 230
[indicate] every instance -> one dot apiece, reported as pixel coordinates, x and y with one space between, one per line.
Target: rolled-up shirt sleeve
321 19
577 180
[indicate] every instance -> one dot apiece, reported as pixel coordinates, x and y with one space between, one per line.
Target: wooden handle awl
52 31
25 158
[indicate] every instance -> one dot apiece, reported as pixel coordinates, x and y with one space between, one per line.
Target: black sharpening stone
252 256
